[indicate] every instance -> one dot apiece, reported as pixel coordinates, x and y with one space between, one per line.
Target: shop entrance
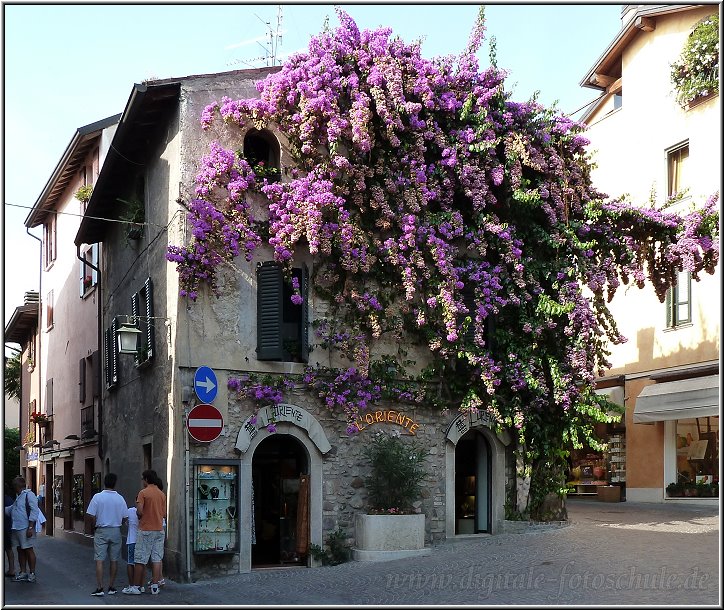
280 501
472 484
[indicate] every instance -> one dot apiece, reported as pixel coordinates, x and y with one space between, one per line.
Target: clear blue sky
70 65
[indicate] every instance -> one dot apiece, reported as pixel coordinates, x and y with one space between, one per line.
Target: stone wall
344 468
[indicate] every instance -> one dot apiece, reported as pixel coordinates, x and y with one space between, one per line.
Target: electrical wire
56 212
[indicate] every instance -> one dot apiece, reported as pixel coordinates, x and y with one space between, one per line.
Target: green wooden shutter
305 313
135 313
490 327
269 296
81 380
114 353
150 328
669 308
468 294
107 344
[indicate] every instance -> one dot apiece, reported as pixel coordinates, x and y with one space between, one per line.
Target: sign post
204 423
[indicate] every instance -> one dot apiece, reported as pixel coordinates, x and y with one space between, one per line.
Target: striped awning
683 399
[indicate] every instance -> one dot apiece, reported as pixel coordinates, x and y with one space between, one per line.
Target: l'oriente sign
394 417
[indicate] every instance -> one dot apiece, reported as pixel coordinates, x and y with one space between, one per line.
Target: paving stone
607 554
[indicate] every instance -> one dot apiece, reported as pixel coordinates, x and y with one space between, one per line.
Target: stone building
260 481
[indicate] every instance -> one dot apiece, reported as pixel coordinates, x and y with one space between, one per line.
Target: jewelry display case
216 521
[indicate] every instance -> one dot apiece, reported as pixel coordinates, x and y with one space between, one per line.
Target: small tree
12 377
397 473
11 467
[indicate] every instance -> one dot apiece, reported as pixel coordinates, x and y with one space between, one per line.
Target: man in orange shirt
151 511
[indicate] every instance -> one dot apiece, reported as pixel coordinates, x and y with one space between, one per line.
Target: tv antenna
272 43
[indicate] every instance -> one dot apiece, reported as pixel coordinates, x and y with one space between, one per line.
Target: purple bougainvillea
439 211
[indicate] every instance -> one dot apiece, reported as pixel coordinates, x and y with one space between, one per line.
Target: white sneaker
31 577
155 589
131 590
21 576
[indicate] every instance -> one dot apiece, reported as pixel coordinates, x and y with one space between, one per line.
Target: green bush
696 73
397 474
338 551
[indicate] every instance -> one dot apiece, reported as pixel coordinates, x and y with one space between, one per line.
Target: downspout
40 335
100 348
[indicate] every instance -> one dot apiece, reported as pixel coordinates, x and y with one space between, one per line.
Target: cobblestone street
627 553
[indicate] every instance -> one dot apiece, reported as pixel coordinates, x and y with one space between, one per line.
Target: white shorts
20 539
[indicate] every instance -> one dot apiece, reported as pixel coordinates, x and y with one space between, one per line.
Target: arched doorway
280 517
473 475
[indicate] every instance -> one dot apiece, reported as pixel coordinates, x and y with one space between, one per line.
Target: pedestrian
131 538
108 511
151 511
24 514
7 532
41 494
161 580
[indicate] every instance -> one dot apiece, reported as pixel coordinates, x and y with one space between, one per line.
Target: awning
684 399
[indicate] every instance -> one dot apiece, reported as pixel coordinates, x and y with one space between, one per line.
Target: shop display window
697 458
216 521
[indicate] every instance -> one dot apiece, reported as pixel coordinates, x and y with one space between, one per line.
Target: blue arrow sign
205 384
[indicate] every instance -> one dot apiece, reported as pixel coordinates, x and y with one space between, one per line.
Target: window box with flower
39 418
695 75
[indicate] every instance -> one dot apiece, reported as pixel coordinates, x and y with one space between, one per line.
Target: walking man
107 510
151 511
24 514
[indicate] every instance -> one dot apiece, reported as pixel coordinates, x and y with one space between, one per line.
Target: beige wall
629 147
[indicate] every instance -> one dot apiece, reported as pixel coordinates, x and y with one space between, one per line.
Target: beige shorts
20 539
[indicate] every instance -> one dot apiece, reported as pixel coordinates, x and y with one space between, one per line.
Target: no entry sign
204 423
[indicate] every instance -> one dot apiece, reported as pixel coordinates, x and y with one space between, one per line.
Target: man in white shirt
108 511
24 514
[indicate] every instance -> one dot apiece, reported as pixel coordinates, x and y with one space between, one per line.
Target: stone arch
262 145
497 442
314 459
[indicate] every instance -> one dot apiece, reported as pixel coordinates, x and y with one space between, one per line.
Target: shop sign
282 413
461 424
393 417
32 456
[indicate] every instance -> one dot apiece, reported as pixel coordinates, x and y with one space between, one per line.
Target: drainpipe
100 348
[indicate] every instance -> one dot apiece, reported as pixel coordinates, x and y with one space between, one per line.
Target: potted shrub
690 489
675 490
392 527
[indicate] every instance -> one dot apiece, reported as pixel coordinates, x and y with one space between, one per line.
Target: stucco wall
629 146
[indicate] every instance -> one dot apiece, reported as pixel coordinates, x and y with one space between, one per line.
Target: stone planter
385 537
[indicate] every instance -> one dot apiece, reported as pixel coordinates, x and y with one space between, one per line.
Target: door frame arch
496 443
314 459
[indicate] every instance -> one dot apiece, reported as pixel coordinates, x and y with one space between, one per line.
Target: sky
66 66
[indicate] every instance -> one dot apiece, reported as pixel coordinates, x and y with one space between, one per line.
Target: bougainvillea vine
440 212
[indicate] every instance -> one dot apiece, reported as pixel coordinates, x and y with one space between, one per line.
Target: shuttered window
49 396
282 326
81 380
110 356
142 309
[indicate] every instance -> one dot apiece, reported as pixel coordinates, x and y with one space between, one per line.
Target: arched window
261 150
